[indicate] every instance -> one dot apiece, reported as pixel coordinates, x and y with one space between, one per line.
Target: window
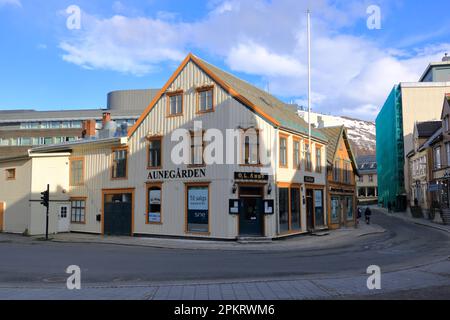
63 212
205 99
437 158
76 171
297 159
289 209
349 205
48 140
318 208
175 103
371 192
25 141
295 209
346 172
318 159
119 165
370 178
335 209
155 152
361 178
77 124
447 151
251 147
197 198
10 174
308 164
197 147
361 192
154 193
283 196
78 210
283 151
336 171
446 124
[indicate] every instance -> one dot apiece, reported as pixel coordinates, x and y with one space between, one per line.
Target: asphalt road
404 245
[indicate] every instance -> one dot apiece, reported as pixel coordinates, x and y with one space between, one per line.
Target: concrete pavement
306 241
411 257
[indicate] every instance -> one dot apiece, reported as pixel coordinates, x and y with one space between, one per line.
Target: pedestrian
358 216
368 213
389 207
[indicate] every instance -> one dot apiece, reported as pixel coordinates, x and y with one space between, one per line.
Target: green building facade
390 152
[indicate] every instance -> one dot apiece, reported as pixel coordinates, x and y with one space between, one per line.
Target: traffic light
45 198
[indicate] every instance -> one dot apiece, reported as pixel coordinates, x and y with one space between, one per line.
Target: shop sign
198 205
155 200
177 174
253 176
234 206
309 179
269 207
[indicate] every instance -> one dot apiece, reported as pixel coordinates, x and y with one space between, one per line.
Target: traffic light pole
46 218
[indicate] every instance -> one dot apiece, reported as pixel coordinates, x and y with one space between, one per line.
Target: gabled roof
446 104
427 128
262 103
432 140
334 135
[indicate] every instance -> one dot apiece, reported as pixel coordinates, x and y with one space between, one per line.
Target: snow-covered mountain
361 133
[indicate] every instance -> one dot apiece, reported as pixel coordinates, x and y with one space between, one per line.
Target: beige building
367 182
132 185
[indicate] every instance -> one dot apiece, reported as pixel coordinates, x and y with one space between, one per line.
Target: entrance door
2 209
310 209
117 214
251 212
63 219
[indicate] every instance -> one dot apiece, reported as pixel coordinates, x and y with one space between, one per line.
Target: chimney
446 58
106 118
89 129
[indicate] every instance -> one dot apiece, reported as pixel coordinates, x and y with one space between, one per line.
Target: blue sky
138 44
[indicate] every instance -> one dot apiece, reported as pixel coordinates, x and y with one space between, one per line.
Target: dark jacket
368 212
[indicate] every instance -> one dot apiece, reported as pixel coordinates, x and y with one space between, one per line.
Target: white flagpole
309 78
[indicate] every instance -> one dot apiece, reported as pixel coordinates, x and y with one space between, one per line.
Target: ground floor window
335 209
154 197
197 198
78 210
318 208
289 209
349 205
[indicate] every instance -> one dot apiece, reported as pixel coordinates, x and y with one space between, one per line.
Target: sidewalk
431 276
334 238
406 216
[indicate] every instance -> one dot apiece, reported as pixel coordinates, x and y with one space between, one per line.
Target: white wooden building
132 186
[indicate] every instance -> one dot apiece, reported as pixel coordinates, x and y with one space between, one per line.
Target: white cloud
130 45
10 2
255 59
351 74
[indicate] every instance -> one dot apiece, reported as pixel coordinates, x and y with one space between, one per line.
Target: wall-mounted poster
154 205
198 209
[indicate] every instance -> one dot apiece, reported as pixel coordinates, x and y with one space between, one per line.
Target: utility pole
45 200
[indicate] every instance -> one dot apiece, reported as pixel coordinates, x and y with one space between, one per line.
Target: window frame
147 213
201 90
169 96
285 137
318 159
113 155
437 165
290 187
8 177
188 185
297 161
73 159
149 141
245 161
307 151
192 163
82 199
